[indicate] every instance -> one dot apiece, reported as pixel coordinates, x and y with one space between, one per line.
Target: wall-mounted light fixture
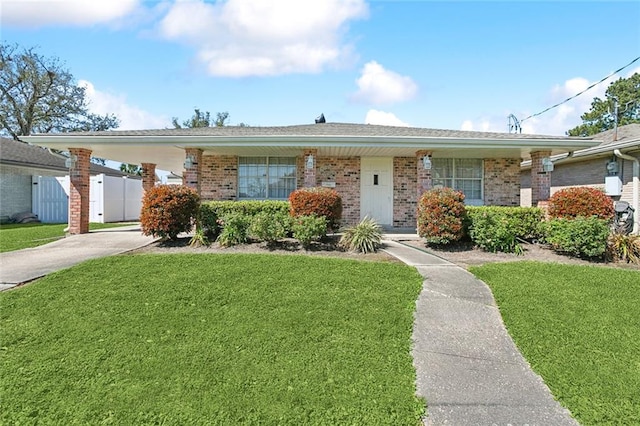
70 163
547 165
426 162
189 161
310 161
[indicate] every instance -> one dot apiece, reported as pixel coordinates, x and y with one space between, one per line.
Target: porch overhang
167 150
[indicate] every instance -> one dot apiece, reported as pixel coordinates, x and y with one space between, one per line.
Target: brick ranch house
380 171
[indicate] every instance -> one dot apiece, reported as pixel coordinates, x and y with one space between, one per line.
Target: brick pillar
193 174
540 180
148 176
310 172
424 176
79 191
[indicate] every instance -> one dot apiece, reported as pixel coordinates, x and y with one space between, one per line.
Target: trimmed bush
307 229
247 207
319 201
234 229
441 213
270 227
365 237
168 210
212 211
582 237
495 228
585 201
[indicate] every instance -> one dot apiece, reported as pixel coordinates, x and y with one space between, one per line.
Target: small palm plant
365 237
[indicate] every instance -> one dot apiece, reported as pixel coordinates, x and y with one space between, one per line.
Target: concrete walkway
468 368
21 266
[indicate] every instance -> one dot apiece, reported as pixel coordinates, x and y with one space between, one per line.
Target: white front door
376 189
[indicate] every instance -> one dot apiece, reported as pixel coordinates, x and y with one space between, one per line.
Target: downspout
635 187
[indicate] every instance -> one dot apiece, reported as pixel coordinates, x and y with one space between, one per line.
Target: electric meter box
613 186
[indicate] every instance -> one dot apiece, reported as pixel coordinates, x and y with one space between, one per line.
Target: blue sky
454 65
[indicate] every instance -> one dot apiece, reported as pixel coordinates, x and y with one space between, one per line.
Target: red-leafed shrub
319 201
441 215
168 210
584 201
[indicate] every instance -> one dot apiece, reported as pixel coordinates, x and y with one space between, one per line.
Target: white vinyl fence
111 199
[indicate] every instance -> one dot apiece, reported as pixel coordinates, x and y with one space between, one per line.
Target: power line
578 94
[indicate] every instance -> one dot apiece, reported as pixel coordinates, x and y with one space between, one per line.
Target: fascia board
309 141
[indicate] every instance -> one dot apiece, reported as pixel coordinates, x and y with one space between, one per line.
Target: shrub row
579 223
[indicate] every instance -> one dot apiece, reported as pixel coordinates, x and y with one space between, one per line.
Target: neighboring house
23 166
380 171
174 179
612 166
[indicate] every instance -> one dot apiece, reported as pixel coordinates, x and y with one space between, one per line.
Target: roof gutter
635 187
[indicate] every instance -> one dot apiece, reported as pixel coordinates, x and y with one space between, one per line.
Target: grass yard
211 339
579 328
26 235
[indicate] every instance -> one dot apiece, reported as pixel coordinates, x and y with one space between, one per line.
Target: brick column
79 184
540 180
423 176
148 176
192 175
310 179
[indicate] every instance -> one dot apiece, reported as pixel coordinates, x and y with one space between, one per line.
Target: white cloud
556 121
131 117
239 38
384 119
378 85
38 13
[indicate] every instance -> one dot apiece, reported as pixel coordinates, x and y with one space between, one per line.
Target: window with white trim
462 174
266 177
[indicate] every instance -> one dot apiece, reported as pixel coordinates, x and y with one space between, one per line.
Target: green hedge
212 211
495 228
583 237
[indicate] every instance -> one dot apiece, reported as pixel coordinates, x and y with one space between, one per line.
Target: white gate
114 199
111 199
50 198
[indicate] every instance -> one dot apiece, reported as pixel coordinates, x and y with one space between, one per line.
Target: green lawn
211 339
20 236
579 328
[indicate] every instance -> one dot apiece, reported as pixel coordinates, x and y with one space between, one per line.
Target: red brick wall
79 192
148 176
192 175
424 176
219 177
345 172
405 192
309 173
502 182
540 181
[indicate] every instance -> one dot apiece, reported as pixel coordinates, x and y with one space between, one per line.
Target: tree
38 95
202 119
602 115
132 169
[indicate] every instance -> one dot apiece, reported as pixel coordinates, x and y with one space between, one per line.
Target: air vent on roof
321 119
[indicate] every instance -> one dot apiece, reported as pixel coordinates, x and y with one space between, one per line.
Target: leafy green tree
202 119
602 117
132 169
39 95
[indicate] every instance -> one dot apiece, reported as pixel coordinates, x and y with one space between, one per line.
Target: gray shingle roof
17 153
626 133
324 129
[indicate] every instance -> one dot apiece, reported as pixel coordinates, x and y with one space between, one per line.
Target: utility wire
578 94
